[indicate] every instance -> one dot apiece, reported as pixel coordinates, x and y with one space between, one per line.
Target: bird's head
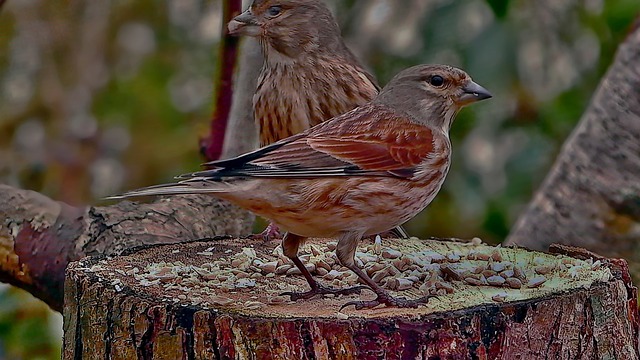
289 27
432 93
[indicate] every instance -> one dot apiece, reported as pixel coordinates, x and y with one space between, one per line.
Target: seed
242 275
482 256
519 273
253 305
269 267
496 255
221 300
246 283
473 281
391 254
450 273
380 275
498 266
294 271
275 300
323 264
373 267
536 282
489 273
495 280
453 257
477 269
342 316
499 297
237 262
311 267
333 274
426 288
507 273
543 270
412 278
332 245
282 269
321 271
393 271
446 286
403 284
316 251
400 264
476 241
514 283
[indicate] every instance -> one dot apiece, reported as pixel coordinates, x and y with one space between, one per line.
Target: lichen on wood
219 299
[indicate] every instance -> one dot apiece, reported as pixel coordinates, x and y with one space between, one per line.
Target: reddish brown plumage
309 75
358 174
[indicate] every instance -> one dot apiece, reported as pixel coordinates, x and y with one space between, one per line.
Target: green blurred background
100 96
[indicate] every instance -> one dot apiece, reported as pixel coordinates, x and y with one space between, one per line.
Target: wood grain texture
102 320
40 236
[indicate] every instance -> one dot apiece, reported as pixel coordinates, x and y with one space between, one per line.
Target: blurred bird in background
358 174
309 74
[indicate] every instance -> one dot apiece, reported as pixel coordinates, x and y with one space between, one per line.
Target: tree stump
220 300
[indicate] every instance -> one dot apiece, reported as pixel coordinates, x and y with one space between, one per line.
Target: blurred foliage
97 96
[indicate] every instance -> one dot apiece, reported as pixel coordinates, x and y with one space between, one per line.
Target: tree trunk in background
165 302
40 236
591 197
242 132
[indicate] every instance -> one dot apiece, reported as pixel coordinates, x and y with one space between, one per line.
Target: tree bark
217 299
40 236
591 197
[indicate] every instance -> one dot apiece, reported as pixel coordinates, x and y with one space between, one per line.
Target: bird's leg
290 245
345 252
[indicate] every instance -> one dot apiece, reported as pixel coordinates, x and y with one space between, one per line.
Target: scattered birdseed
499 297
342 316
536 282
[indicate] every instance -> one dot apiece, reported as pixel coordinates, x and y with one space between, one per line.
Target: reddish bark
131 319
211 146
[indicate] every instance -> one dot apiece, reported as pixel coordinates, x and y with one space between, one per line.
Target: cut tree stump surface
220 299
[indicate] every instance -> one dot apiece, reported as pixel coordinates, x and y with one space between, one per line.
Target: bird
309 74
355 175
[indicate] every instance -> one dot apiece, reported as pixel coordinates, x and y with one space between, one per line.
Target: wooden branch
211 147
242 134
40 236
591 197
220 300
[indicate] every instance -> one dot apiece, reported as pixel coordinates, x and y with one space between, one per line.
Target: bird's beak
473 92
244 24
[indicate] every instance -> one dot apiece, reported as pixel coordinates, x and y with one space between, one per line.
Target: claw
324 290
272 232
388 301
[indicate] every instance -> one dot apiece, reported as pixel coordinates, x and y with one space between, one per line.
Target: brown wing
368 140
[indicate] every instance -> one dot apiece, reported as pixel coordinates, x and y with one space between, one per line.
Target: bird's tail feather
181 188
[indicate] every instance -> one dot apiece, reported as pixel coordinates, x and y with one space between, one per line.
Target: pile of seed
414 273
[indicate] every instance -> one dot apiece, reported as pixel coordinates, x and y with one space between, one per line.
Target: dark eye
436 81
274 10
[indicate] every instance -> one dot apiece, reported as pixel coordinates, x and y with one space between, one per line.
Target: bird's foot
272 232
388 300
324 290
